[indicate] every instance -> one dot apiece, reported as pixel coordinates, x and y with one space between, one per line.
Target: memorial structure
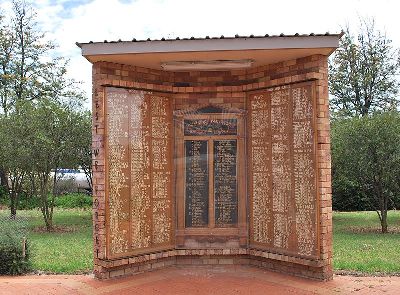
212 151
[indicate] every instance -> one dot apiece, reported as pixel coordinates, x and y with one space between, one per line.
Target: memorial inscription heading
283 194
138 153
201 127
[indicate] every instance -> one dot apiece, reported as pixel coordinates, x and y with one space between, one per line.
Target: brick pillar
324 170
98 154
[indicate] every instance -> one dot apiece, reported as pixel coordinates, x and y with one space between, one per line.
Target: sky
70 21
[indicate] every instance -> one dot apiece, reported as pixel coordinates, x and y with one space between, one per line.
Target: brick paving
198 280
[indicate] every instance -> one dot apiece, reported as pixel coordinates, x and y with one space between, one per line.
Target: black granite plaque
225 183
202 127
196 183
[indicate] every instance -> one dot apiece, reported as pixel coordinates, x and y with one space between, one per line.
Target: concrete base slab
198 280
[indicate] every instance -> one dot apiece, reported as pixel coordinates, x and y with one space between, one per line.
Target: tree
42 137
15 131
35 90
6 49
366 153
83 145
26 59
362 73
53 136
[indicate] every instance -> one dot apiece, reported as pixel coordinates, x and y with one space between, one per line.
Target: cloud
68 21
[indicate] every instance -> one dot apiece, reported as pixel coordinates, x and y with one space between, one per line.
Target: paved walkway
199 280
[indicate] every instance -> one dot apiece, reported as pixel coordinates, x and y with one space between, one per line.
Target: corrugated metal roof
220 37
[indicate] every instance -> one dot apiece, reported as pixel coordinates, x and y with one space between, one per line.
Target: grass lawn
358 245
68 249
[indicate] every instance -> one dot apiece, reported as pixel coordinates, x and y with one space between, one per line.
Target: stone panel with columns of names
196 188
282 166
139 178
225 183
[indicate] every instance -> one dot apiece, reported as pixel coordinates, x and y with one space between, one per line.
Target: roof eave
224 44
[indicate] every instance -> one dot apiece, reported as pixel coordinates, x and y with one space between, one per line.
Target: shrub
3 196
25 201
28 202
15 250
73 201
14 254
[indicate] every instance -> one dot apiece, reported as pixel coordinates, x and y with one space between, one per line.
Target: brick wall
228 89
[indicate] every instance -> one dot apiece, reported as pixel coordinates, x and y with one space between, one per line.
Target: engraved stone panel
118 165
225 183
196 182
260 157
281 166
282 170
140 138
161 174
304 171
139 171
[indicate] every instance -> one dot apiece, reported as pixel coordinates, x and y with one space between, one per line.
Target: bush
14 254
347 195
366 163
3 196
15 251
73 201
28 202
25 201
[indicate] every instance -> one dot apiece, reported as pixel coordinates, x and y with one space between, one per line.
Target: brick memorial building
210 151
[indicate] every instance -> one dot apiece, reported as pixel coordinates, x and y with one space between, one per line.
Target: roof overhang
261 50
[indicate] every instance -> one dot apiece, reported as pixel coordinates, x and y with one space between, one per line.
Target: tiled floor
199 280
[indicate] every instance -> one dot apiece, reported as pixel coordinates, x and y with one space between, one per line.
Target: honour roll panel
209 183
282 170
139 201
225 183
197 190
197 184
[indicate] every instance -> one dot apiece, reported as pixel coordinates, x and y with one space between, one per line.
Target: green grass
360 247
358 244
68 249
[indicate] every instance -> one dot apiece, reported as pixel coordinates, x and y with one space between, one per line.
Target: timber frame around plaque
209 165
216 231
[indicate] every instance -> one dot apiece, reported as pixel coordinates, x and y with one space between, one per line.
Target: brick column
324 170
98 166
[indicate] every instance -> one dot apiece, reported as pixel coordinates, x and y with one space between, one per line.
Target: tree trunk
88 174
384 210
384 224
47 215
13 205
55 182
47 221
16 188
13 201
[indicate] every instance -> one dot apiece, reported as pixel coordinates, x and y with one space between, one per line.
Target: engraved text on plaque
196 193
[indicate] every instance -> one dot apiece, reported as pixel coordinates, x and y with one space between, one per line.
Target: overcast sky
69 21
